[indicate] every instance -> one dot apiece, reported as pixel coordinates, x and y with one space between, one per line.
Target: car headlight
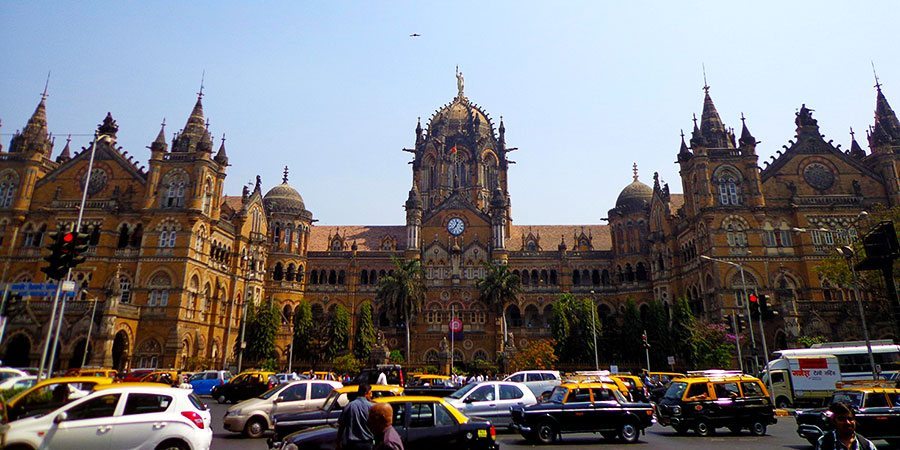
233 412
290 446
676 410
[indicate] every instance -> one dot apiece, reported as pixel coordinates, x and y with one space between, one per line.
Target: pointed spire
746 138
855 150
284 179
635 171
195 135
683 150
109 127
885 118
711 126
66 153
222 157
34 137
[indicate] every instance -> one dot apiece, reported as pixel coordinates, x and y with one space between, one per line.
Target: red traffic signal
753 298
68 237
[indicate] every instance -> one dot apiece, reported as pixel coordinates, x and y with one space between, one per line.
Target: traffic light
729 325
58 259
764 310
644 340
754 307
79 245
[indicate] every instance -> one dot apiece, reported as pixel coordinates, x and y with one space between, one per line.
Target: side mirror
278 400
468 400
61 417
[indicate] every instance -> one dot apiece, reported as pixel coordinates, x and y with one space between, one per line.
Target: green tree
570 326
403 292
630 338
682 332
338 332
498 287
263 322
365 332
346 364
713 348
310 337
658 333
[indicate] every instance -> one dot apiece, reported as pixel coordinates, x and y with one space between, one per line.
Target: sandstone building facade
174 261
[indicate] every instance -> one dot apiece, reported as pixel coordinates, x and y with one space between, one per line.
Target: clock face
97 182
456 226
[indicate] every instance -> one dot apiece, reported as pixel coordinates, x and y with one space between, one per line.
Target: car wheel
221 399
758 428
782 403
629 433
255 427
702 428
546 433
172 444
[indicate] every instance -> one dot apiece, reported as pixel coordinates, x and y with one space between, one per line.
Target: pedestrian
382 378
844 436
353 425
381 418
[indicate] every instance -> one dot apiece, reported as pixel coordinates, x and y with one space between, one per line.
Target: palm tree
403 292
497 288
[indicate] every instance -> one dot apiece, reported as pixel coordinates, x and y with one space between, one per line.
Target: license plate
482 433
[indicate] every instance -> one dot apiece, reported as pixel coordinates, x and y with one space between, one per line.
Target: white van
538 381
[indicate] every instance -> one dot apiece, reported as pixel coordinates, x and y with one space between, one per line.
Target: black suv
877 414
583 407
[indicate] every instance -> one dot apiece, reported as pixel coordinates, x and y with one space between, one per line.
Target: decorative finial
705 84
202 79
634 169
46 86
742 117
682 134
163 124
284 179
877 83
460 83
852 134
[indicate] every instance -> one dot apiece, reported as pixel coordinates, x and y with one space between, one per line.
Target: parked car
877 414
539 381
92 372
245 385
50 394
252 417
137 374
9 372
491 400
583 407
430 385
135 417
22 382
422 423
286 423
203 382
706 400
394 373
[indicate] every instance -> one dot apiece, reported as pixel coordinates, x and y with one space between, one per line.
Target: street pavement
782 435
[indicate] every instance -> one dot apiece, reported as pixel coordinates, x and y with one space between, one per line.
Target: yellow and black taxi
290 422
705 400
50 394
422 423
583 407
876 407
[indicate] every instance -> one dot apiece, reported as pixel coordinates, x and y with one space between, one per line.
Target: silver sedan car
491 400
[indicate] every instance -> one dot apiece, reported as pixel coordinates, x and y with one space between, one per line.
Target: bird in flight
415 35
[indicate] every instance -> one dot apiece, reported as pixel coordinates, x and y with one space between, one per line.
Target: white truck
803 380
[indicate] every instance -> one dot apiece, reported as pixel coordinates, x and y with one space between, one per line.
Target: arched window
167 237
532 317
314 277
554 278
364 277
576 277
175 184
604 278
489 172
286 314
735 233
728 183
513 316
332 277
8 184
137 236
373 277
125 289
342 277
641 272
525 278
207 196
278 272
123 236
159 290
291 272
629 273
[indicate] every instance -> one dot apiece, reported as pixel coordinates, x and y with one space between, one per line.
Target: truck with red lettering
803 380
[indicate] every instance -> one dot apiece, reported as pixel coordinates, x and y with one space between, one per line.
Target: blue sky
333 89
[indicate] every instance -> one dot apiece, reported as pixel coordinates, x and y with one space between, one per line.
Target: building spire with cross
284 179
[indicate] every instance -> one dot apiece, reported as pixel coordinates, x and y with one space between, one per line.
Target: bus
853 357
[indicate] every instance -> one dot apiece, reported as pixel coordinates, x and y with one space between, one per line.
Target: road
782 435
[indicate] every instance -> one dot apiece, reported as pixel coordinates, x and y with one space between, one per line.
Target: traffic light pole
762 338
49 332
737 341
59 319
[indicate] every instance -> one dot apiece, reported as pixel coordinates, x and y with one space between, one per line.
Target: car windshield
675 391
335 396
272 391
462 391
558 395
851 398
197 376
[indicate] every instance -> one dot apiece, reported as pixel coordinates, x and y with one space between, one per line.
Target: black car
421 422
583 407
244 386
877 415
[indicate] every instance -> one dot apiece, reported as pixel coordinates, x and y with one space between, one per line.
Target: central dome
636 195
284 198
455 116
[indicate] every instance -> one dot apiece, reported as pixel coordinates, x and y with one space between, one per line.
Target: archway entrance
120 350
78 351
18 352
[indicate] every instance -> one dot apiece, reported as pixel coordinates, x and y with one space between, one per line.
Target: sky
333 89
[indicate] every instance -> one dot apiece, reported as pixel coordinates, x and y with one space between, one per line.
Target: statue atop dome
460 84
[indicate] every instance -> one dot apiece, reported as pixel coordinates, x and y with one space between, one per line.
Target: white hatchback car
133 417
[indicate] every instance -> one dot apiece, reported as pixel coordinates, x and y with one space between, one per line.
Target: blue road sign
36 290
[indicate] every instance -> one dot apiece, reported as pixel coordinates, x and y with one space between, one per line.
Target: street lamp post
847 253
594 329
744 289
87 343
242 344
737 341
